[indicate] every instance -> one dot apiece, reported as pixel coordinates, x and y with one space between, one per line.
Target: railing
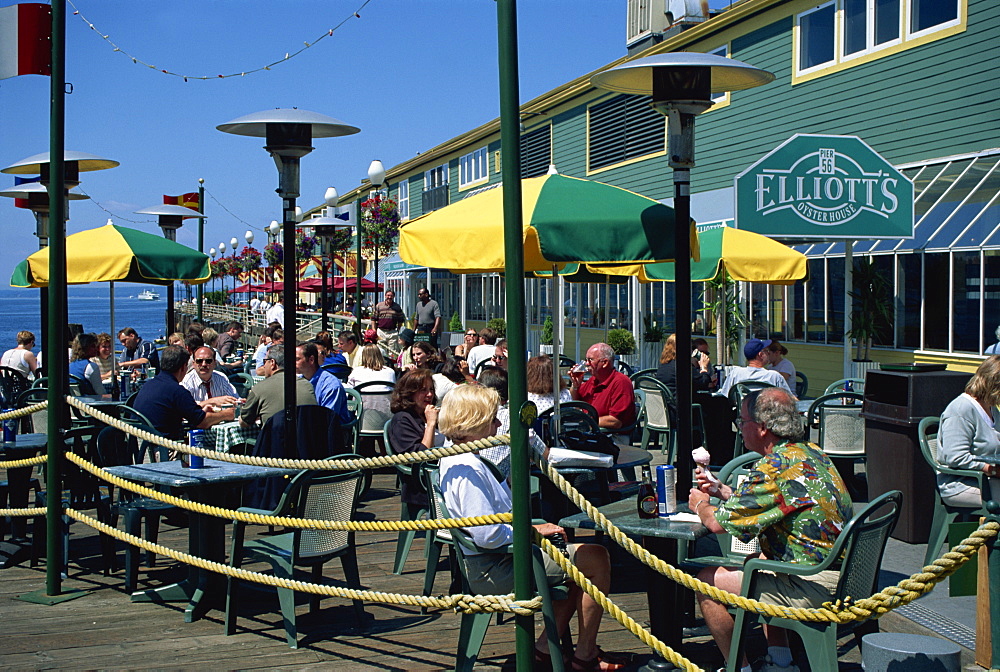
435 198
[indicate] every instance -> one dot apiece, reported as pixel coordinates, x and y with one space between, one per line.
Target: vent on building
536 151
623 128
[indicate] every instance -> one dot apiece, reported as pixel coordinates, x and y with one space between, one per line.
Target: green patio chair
314 494
944 514
858 550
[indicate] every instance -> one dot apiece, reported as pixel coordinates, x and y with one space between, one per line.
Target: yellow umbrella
566 220
746 256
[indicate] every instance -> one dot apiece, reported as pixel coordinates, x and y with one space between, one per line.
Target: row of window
840 30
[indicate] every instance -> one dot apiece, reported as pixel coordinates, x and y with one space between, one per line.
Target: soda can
196 439
126 384
666 494
10 427
240 353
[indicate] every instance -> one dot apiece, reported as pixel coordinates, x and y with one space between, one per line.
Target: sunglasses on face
203 361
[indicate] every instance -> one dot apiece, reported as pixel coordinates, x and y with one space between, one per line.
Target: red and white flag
25 40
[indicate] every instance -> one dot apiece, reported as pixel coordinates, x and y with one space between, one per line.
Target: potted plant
546 340
621 341
721 296
499 325
871 311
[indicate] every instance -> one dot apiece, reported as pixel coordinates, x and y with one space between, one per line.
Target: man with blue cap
758 357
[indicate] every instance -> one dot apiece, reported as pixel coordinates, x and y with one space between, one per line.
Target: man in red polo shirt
607 390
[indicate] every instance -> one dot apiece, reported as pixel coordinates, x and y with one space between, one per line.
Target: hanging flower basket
274 254
249 260
380 224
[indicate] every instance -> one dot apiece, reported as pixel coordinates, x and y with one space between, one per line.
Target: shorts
493 573
791 590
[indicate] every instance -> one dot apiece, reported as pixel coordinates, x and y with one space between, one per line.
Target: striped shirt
196 386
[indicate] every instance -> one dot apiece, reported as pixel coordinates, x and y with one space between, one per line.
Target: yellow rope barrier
26 462
845 611
21 412
472 604
345 465
22 512
305 523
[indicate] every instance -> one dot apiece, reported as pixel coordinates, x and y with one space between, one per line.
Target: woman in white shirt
780 364
372 368
21 358
539 374
968 432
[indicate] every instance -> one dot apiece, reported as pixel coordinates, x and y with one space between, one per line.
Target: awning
956 206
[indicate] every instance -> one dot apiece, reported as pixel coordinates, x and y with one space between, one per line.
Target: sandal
543 660
602 662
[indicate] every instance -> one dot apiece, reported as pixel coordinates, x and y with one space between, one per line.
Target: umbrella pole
556 352
516 334
111 300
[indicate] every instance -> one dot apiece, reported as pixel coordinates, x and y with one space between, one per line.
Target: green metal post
201 239
55 353
510 141
993 565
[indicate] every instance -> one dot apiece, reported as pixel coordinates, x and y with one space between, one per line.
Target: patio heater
66 167
37 198
170 218
326 226
681 85
288 134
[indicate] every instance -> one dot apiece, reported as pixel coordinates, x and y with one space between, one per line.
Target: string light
116 216
288 55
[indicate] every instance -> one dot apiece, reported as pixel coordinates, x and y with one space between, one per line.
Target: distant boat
148 295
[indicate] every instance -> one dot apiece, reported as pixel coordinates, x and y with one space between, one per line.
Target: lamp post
326 226
681 85
212 254
222 256
376 174
272 237
170 218
288 134
248 236
233 244
65 167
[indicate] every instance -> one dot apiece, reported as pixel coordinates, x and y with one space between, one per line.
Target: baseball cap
753 347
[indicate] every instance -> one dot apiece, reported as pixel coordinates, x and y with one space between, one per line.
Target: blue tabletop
175 474
624 515
26 442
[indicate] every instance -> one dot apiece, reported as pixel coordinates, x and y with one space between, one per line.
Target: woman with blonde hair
968 432
471 487
666 373
372 368
84 347
21 358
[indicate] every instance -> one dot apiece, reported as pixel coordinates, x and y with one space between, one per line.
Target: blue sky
409 73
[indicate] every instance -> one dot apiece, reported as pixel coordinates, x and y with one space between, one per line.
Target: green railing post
55 354
510 141
993 564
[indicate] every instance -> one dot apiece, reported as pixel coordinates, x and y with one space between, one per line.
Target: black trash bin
895 402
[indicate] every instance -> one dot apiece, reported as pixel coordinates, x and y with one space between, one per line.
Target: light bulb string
288 55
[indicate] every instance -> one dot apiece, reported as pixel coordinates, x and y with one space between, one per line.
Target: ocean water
88 305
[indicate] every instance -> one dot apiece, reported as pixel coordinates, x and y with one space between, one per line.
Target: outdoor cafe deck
105 630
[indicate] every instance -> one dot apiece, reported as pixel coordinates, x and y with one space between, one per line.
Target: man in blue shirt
166 404
138 353
328 388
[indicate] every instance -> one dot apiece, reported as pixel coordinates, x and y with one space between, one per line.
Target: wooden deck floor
105 630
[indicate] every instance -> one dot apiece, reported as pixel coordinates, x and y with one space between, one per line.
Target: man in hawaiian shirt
794 502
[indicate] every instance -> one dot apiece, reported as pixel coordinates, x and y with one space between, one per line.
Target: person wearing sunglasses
471 340
207 386
500 354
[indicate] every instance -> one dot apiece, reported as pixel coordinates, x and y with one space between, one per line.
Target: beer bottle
645 502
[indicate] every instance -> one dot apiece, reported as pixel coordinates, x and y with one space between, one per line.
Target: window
623 128
473 168
536 151
404 199
841 30
436 177
724 96
928 14
816 37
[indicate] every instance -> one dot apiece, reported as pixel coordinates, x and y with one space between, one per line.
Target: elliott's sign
824 186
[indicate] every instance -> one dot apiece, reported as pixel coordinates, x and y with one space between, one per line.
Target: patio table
202 589
223 436
26 445
660 537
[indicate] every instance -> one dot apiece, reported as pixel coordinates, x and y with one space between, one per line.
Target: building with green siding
915 79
